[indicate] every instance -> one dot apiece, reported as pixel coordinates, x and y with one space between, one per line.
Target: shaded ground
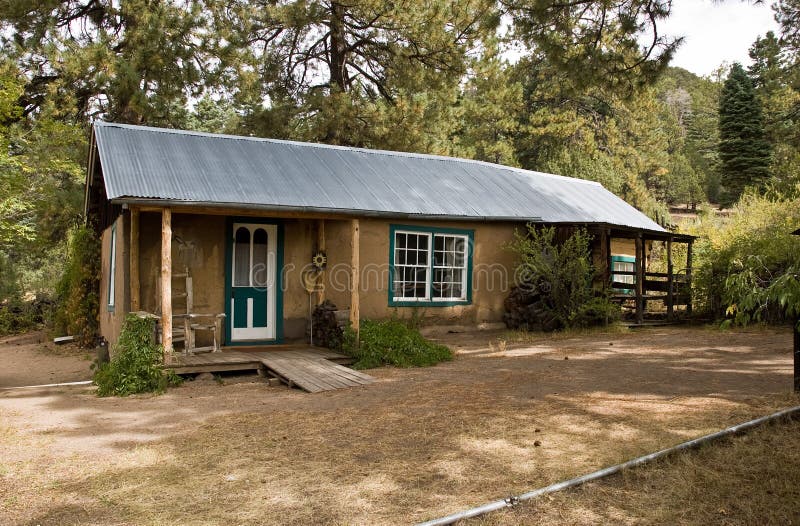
33 359
417 444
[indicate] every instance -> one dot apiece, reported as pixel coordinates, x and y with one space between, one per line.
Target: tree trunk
338 49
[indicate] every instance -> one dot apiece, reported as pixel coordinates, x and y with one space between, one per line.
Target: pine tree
743 148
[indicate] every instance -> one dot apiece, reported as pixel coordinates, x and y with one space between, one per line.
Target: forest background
581 88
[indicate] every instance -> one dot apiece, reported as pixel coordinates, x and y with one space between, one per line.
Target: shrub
554 287
136 365
77 293
17 315
738 257
391 342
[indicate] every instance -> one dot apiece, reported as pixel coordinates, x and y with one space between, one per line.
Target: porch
312 369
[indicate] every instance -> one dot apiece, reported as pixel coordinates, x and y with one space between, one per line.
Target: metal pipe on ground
577 481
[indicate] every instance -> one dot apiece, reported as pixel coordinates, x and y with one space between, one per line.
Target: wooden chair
188 323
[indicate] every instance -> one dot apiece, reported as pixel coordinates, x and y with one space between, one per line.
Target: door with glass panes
252 279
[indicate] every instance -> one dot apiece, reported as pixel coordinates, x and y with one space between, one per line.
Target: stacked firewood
326 329
528 308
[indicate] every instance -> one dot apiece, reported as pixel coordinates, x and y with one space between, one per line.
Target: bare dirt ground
33 359
509 414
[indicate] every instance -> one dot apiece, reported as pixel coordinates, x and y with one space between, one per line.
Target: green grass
391 342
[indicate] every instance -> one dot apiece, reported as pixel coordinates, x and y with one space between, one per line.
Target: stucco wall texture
200 241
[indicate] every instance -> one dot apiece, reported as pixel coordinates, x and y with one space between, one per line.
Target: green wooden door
252 282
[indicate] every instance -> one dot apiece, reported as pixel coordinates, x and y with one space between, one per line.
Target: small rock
537 443
566 357
537 430
263 481
204 377
611 343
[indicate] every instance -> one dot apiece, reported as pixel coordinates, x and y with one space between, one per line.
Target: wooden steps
310 369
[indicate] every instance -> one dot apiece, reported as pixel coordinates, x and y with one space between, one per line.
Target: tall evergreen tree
743 148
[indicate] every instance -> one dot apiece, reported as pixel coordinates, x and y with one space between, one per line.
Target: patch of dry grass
748 479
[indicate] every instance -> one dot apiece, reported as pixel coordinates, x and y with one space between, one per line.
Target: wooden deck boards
310 369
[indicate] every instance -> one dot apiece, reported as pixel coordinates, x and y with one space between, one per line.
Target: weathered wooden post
689 278
320 248
640 264
796 343
670 282
166 283
796 356
355 271
134 261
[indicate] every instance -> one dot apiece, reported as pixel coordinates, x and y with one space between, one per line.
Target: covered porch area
645 270
222 280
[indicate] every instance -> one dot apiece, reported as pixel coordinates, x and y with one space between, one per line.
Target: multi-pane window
430 266
623 264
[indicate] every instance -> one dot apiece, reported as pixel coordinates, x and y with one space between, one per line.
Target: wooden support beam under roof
166 283
134 262
355 271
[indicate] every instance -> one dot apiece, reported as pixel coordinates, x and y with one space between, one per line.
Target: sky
716 32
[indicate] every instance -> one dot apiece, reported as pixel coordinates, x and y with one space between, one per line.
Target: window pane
410 264
449 267
260 262
241 258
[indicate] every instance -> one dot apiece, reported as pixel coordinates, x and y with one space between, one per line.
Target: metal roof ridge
370 151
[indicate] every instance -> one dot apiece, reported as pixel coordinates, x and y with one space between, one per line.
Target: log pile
326 329
527 308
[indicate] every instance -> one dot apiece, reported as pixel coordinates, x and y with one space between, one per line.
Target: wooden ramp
310 373
311 369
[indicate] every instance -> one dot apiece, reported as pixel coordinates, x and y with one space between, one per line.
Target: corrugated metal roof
198 168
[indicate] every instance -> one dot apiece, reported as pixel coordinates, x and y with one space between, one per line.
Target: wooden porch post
609 264
605 257
639 279
689 278
355 271
796 356
134 261
321 248
670 282
166 283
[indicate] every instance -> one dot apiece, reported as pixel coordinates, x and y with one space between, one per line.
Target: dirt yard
33 359
506 416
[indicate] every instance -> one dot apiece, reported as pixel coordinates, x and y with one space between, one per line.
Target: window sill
428 303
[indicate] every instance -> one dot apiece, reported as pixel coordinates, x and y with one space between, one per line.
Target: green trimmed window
624 264
430 266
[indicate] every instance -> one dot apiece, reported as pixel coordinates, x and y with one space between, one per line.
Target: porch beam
605 256
321 248
355 271
670 282
244 212
166 283
639 279
689 277
134 261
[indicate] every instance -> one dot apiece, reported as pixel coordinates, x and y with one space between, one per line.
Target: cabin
233 241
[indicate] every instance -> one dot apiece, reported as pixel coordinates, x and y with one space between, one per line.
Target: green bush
391 342
17 315
740 256
77 293
136 363
555 281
